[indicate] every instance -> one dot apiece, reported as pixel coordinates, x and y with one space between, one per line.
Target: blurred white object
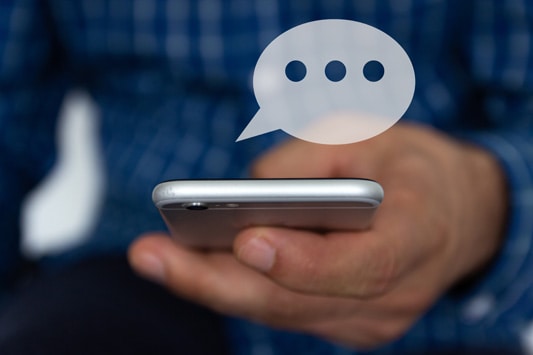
60 213
527 339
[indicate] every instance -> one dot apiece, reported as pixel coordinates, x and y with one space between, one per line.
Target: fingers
338 264
357 288
218 281
296 158
347 264
300 159
195 275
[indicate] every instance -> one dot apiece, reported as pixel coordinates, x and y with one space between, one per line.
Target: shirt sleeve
30 95
500 52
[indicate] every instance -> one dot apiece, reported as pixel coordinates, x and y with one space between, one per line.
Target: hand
441 221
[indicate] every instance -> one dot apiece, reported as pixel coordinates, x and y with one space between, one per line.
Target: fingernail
150 266
258 253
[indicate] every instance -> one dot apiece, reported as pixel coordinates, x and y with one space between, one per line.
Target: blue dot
335 71
295 71
373 71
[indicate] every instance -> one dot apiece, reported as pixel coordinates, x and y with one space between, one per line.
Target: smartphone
209 213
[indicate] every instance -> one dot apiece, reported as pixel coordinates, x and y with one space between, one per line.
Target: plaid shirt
172 80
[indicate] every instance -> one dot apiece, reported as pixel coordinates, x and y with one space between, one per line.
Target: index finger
219 281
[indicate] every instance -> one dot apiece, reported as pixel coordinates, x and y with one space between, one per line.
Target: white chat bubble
331 82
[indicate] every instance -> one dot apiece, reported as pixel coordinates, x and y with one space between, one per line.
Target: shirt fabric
172 80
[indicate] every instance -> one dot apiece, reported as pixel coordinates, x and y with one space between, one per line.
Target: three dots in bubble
334 71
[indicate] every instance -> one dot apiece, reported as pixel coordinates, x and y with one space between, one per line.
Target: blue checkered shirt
172 80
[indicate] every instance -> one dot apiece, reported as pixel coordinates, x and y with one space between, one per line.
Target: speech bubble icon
331 82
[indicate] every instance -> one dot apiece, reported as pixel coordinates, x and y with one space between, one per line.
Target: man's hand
441 220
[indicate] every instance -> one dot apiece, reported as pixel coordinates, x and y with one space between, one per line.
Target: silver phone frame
208 213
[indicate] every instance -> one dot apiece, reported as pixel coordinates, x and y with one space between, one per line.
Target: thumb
345 264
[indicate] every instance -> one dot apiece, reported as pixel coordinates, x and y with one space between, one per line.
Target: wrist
488 202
